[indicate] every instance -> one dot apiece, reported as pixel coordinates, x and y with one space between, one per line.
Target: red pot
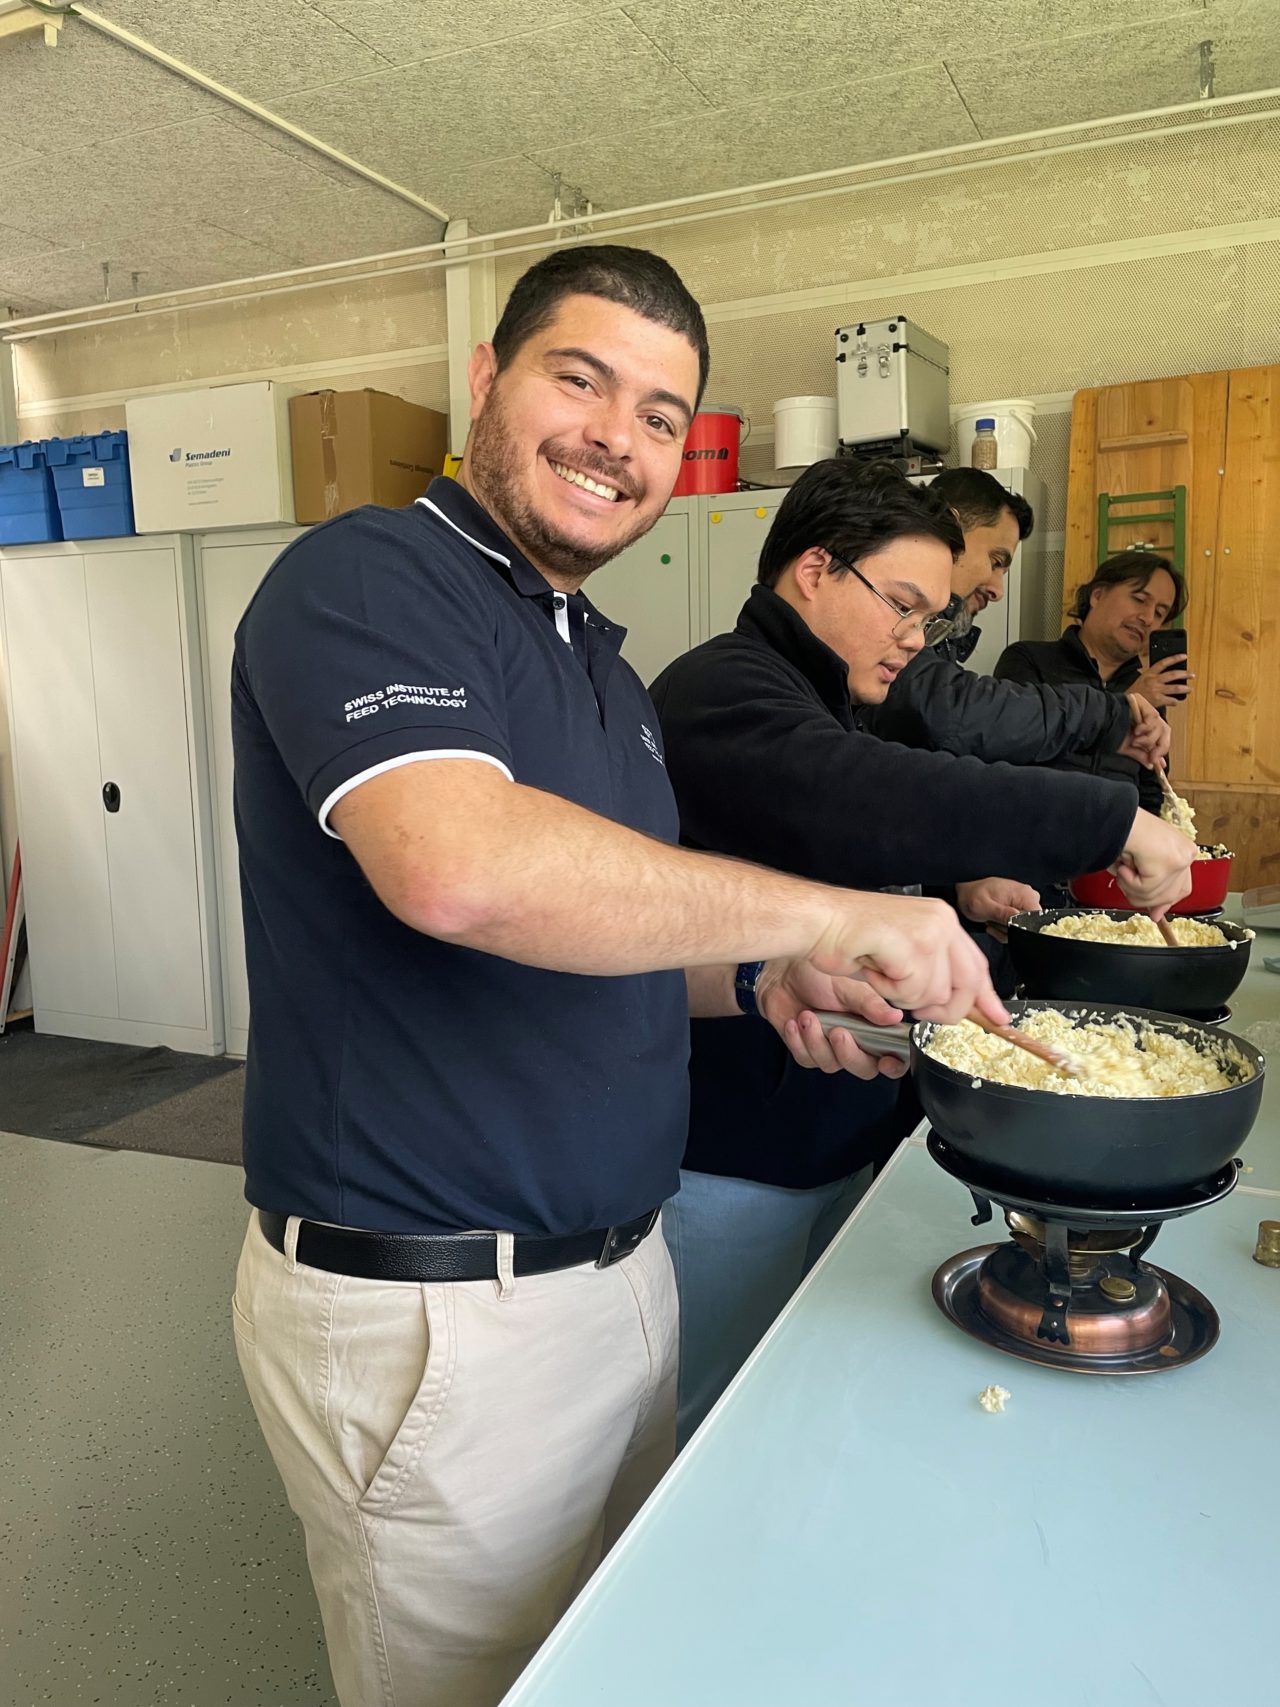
1210 881
710 459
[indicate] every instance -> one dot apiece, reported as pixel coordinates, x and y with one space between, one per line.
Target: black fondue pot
1099 1152
1170 980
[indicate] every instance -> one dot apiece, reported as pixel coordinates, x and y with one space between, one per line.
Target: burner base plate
1194 1324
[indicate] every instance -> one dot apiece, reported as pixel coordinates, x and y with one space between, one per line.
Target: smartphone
1167 643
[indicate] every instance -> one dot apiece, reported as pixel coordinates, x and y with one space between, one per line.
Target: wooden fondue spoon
1042 1051
1179 823
1174 799
893 1039
1166 931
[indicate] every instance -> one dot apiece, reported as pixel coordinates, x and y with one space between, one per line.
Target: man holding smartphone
1166 679
1131 597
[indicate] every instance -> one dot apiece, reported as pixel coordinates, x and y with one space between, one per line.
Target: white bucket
1015 434
804 431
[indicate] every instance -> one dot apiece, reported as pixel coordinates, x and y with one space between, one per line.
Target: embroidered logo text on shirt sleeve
646 735
404 693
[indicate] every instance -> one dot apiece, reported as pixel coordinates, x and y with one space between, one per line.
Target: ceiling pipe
430 257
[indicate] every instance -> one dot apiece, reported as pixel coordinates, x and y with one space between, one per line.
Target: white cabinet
110 767
688 578
733 528
229 567
651 589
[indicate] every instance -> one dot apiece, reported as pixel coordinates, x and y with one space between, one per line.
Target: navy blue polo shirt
395 1081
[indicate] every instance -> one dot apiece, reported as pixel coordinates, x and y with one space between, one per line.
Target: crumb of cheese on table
993 1398
1167 1065
1137 932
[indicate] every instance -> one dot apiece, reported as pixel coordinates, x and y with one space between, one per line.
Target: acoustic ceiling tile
1137 68
231 184
72 278
839 126
403 31
256 47
88 87
17 245
488 103
498 195
738 51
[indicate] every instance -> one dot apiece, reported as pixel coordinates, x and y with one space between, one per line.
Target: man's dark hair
978 498
853 509
1137 566
634 278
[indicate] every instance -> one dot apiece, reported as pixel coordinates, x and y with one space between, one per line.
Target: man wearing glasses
768 762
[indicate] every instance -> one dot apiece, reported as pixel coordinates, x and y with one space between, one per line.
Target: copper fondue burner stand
1070 1289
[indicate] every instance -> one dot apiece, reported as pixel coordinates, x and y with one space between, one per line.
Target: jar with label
983 454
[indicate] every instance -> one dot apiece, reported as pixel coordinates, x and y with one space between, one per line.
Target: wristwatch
744 985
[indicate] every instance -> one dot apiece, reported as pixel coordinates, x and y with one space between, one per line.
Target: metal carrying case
892 387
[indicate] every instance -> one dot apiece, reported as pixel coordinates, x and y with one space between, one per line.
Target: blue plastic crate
91 477
28 504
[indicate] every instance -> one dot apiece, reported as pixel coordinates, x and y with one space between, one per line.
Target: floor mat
123 1097
203 1123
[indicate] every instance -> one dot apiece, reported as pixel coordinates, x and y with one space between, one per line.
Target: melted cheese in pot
1120 1058
1136 932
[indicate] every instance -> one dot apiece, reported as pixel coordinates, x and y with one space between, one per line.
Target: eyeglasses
934 628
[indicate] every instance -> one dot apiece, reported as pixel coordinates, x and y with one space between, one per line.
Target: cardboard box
362 447
215 458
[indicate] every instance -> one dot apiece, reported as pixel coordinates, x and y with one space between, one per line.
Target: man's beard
493 462
962 620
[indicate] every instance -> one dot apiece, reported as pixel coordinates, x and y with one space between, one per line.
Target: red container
711 452
1210 881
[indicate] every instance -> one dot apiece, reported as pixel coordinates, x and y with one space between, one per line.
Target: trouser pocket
389 1367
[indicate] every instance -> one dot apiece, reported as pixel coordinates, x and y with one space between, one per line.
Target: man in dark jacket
1132 594
768 764
937 703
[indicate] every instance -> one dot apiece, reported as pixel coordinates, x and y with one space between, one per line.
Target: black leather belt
427 1257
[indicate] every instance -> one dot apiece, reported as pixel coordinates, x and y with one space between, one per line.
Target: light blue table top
851 1529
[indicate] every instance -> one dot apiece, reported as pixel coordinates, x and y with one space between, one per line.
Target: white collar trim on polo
562 614
437 511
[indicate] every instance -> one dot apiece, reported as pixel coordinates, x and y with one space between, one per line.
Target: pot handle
892 1040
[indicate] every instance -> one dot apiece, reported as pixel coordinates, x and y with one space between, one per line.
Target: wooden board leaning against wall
1217 436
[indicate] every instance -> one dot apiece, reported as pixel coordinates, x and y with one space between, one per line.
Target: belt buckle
619 1242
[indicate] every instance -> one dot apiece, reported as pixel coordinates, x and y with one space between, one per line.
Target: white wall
388 335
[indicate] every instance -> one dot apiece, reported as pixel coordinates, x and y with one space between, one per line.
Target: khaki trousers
460 1455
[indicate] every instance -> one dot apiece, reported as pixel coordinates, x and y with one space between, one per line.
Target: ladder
1173 514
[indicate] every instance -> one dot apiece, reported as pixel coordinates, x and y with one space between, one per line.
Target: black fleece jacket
1065 665
768 764
1020 720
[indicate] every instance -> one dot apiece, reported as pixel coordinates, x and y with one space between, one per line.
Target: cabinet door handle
111 796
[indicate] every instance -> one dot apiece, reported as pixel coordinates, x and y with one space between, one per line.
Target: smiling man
769 761
579 504
473 949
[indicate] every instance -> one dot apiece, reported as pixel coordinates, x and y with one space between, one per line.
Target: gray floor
146 1551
